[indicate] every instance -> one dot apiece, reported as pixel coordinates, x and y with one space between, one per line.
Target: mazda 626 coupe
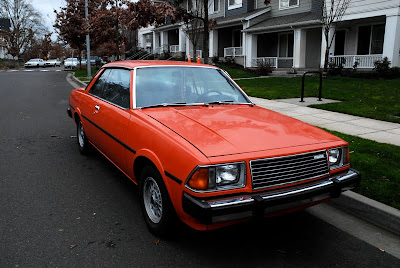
200 150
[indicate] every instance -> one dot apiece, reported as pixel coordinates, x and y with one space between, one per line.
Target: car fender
173 188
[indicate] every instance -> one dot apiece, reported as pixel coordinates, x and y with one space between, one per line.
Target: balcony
348 61
233 51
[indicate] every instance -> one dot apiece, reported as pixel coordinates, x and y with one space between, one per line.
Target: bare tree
332 13
197 23
25 24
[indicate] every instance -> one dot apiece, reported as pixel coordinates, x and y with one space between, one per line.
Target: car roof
146 63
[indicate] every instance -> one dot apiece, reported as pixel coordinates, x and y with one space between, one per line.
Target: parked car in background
53 63
35 63
71 63
200 150
95 60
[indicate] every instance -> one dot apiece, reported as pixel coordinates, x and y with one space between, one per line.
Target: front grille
277 171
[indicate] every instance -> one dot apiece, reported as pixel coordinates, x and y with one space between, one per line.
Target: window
184 85
283 4
234 4
117 88
214 6
114 86
370 39
339 42
97 88
286 42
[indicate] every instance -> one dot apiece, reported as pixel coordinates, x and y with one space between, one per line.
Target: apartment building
288 33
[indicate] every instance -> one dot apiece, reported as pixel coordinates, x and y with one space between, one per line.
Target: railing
233 51
272 61
348 61
174 48
198 53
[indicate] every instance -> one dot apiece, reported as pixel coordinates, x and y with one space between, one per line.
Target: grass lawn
377 99
379 167
237 73
82 74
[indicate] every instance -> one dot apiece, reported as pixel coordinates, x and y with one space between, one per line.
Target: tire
83 143
157 208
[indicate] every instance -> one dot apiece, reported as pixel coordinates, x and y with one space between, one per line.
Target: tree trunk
326 52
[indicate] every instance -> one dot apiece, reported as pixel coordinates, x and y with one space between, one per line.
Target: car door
110 115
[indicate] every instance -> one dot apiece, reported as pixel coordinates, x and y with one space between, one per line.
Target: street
62 209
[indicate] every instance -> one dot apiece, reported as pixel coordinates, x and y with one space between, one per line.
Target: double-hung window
232 4
283 4
213 6
370 39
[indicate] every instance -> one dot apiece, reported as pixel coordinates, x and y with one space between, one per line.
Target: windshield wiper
227 102
165 105
219 102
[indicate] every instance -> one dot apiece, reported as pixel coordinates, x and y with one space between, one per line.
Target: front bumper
209 211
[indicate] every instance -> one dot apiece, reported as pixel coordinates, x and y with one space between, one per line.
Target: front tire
83 143
157 208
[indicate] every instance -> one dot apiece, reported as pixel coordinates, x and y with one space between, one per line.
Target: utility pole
89 71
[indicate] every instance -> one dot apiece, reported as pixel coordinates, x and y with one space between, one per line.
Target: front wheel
83 143
156 205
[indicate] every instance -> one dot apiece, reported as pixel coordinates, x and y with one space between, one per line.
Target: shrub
263 68
336 69
382 67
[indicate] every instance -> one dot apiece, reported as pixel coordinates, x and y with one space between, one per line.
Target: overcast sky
46 8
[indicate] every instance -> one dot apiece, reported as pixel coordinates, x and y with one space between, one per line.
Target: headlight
218 177
338 157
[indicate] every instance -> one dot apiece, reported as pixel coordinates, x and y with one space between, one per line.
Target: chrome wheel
152 200
81 135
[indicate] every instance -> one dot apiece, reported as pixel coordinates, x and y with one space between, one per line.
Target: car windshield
33 60
71 59
163 86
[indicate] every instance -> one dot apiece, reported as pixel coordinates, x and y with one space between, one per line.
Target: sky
46 8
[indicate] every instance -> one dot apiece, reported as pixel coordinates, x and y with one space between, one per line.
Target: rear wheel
156 205
83 143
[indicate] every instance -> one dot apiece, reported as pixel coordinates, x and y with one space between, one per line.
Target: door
110 114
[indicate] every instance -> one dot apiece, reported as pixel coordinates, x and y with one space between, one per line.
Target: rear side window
117 88
97 88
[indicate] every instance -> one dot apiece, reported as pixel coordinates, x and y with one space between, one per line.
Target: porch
298 48
360 43
355 61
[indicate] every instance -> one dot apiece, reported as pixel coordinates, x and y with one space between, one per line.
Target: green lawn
237 73
379 167
377 99
82 74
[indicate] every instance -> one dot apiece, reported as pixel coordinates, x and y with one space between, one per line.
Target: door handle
96 108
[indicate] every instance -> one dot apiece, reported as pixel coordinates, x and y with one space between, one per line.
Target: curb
369 210
75 82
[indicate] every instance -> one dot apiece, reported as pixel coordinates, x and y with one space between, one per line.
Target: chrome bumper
208 211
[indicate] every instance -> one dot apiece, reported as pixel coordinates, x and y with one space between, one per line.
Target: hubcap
152 200
81 135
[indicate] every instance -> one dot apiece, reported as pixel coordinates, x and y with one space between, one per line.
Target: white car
35 63
71 63
53 62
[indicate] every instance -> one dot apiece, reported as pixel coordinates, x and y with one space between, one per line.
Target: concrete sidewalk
380 131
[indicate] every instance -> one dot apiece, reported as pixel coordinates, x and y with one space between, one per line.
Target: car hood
233 129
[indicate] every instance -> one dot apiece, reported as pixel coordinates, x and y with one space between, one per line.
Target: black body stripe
173 177
111 136
72 107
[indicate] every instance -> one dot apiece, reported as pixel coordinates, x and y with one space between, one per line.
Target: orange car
200 150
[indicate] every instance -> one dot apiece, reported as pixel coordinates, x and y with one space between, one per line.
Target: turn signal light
199 179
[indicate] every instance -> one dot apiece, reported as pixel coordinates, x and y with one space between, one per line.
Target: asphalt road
61 209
